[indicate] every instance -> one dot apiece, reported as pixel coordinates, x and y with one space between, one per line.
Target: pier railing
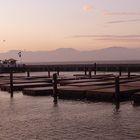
86 67
77 67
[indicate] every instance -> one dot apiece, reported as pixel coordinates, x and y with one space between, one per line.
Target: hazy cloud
87 7
122 21
106 13
116 36
111 37
120 39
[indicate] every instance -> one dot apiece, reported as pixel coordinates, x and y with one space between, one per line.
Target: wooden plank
92 83
68 82
38 91
71 93
18 87
136 98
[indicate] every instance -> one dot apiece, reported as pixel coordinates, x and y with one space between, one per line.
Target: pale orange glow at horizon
48 25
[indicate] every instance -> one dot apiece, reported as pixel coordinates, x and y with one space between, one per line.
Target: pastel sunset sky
80 24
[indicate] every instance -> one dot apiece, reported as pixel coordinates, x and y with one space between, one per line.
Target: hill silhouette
70 54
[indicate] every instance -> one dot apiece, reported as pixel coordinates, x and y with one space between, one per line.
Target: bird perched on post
19 54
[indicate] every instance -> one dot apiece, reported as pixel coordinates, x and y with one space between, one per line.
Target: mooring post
90 73
58 71
120 71
85 69
95 68
117 89
55 88
11 83
28 73
49 75
106 68
128 70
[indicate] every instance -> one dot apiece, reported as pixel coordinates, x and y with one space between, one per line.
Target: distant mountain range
70 54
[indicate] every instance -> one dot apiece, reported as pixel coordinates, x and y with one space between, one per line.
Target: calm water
36 118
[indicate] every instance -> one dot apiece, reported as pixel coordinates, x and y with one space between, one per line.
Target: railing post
55 88
11 84
95 68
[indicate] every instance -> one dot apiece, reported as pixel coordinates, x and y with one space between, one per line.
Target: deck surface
99 86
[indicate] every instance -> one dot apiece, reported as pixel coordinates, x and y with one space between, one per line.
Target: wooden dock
95 92
19 87
38 91
97 87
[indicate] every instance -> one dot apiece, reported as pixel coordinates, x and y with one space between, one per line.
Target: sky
81 24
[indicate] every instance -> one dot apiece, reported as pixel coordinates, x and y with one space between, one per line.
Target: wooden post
58 71
28 73
117 89
85 69
128 70
120 71
95 68
11 83
106 69
55 88
90 73
49 75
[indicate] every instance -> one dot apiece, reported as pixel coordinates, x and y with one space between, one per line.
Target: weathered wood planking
19 87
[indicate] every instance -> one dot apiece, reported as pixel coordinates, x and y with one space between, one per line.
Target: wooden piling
90 73
128 70
55 88
58 71
85 69
28 73
11 84
117 89
49 74
120 71
95 68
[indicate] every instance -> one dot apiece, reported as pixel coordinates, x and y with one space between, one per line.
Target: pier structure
98 86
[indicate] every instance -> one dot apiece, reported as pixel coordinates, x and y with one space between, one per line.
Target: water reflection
11 102
26 117
117 107
55 104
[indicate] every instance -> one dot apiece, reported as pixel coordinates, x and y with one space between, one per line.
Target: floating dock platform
97 87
